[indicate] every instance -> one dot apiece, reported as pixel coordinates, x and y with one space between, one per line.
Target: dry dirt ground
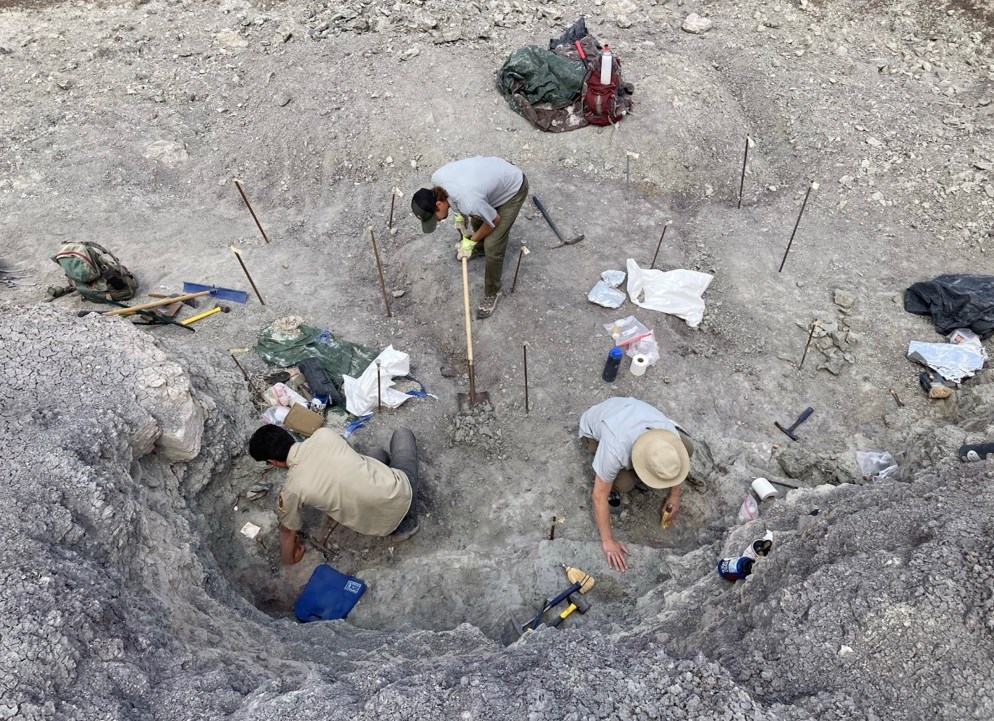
127 123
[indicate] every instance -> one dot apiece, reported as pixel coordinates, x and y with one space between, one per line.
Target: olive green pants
495 244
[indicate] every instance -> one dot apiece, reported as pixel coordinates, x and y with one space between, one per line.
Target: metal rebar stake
814 324
238 257
524 348
249 206
658 246
379 268
813 186
393 198
521 253
743 178
379 393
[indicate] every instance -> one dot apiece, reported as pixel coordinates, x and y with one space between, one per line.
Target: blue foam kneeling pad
328 595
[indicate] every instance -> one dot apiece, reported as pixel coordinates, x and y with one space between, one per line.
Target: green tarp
339 357
540 76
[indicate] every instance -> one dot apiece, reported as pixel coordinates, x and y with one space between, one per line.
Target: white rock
696 25
167 152
229 39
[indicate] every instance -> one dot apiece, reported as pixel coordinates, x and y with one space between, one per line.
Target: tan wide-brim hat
660 459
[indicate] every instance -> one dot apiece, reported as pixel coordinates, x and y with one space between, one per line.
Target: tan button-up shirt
325 473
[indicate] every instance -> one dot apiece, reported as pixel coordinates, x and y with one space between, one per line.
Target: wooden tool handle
465 303
157 303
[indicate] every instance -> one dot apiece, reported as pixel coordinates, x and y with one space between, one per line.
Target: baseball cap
423 206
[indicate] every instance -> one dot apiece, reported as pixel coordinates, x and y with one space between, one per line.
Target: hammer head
786 430
582 605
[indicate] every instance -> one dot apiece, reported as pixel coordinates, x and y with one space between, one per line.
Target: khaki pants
627 479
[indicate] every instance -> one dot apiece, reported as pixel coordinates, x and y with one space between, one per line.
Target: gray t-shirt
478 185
616 424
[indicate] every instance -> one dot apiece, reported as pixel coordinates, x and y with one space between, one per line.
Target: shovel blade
468 400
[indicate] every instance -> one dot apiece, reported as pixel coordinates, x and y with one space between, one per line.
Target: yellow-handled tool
201 316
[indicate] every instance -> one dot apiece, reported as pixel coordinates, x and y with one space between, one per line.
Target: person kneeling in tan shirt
372 495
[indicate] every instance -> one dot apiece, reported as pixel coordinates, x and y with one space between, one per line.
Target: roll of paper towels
639 364
764 489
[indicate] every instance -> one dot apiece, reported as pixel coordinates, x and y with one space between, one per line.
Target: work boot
488 306
407 528
976 452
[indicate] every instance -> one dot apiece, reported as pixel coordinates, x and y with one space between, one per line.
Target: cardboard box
303 421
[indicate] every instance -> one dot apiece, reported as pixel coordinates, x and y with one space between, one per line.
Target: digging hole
436 580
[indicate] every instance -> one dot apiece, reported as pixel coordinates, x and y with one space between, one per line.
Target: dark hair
270 443
440 193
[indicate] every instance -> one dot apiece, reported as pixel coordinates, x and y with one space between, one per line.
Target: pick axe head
513 630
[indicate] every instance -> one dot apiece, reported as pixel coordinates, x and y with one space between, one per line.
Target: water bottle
606 61
612 364
735 569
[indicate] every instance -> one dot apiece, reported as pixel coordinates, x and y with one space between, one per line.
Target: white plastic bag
677 292
275 415
876 464
360 393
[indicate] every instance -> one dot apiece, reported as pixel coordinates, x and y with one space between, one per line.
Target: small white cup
763 489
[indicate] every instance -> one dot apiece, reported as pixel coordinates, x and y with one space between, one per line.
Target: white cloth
616 424
478 185
360 393
677 292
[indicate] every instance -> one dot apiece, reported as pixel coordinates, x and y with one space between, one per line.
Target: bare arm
291 550
614 551
485 229
673 500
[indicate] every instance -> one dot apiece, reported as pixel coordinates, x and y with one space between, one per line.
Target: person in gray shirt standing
487 191
628 435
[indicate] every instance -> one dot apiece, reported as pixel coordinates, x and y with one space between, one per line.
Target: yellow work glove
461 224
465 248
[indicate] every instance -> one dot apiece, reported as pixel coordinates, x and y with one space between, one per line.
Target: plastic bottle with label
735 569
606 61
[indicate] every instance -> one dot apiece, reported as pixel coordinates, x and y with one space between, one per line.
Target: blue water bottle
612 364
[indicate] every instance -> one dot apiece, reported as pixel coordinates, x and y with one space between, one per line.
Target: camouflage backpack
95 272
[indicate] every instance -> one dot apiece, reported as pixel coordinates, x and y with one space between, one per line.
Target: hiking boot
488 306
977 452
407 528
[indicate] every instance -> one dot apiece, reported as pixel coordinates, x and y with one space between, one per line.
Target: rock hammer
805 414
